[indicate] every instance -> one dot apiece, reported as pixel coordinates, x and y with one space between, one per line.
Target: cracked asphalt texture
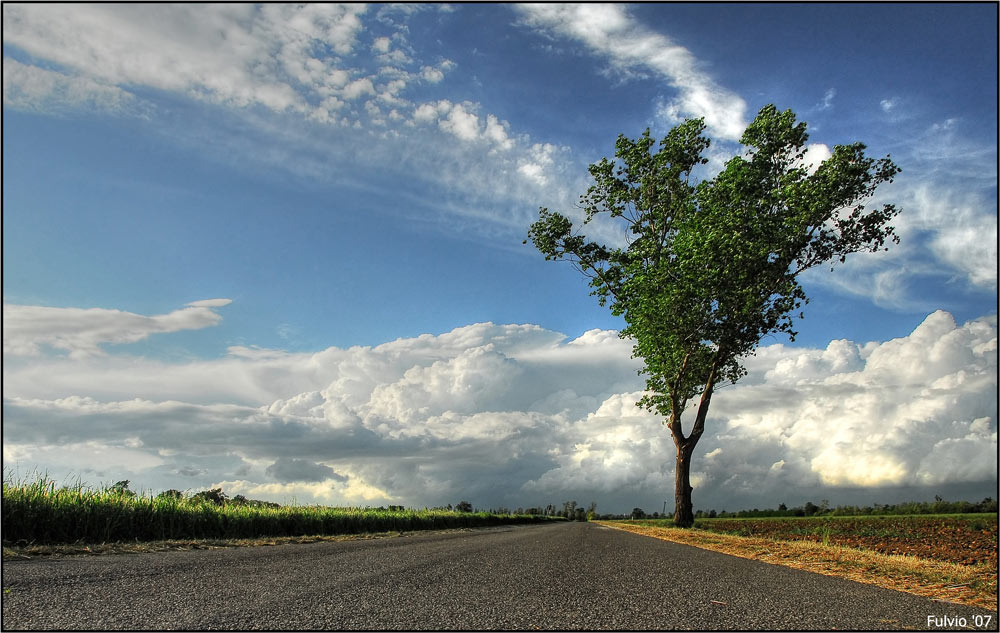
567 576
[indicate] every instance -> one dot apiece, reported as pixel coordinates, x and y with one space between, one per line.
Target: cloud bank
513 415
81 332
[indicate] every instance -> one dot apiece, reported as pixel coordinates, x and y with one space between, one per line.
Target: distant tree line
809 509
570 510
214 496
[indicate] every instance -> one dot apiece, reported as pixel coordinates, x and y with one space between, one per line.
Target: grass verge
974 585
38 513
26 552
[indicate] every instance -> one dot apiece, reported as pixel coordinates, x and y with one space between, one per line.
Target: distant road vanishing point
561 576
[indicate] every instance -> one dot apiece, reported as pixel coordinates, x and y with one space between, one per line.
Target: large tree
706 270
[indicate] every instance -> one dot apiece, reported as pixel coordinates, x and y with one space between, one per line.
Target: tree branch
706 397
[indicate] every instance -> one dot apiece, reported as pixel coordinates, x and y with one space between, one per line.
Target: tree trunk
683 509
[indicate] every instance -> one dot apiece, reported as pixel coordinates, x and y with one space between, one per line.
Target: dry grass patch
974 585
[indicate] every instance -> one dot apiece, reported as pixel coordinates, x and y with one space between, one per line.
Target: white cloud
227 53
610 31
358 88
496 132
298 97
210 303
962 228
461 122
873 421
81 332
274 56
433 75
28 87
435 399
425 113
827 102
514 414
329 491
536 162
945 231
815 154
947 223
307 89
916 411
948 240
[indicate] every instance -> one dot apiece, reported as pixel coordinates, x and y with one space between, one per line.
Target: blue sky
237 213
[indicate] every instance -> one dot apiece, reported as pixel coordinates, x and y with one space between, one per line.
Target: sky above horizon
278 249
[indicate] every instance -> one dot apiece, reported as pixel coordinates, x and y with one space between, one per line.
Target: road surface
561 576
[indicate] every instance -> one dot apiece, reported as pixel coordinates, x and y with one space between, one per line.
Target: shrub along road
562 576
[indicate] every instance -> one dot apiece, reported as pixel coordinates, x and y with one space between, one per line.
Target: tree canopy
709 268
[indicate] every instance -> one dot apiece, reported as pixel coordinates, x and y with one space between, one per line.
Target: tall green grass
38 512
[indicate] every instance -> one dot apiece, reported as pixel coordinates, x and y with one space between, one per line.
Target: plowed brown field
962 539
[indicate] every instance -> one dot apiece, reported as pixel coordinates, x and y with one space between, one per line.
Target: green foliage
215 496
121 488
37 512
711 268
573 511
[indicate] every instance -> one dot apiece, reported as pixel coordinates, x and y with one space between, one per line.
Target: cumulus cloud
877 415
358 88
81 332
915 411
462 121
413 418
431 74
381 44
610 31
518 415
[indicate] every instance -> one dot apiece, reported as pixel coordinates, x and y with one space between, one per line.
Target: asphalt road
563 576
